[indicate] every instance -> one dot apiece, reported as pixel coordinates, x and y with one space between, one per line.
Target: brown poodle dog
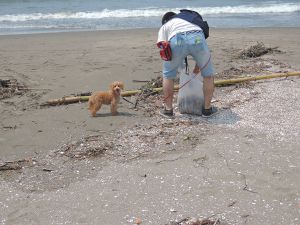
111 97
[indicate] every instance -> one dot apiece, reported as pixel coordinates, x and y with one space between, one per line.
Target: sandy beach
241 166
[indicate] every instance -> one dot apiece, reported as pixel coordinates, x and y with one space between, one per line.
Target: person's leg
168 89
208 90
170 69
201 54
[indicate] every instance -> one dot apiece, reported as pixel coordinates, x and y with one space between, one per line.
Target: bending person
185 39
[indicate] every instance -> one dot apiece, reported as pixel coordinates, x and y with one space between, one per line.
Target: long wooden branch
75 99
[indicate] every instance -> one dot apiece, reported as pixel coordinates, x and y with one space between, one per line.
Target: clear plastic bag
190 96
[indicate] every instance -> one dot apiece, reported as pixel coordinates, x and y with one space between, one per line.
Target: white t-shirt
173 27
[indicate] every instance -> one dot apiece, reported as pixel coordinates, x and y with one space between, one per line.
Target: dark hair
167 17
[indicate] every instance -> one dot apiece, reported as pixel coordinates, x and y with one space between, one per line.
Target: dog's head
116 87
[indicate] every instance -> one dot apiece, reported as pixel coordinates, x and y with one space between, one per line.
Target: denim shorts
188 43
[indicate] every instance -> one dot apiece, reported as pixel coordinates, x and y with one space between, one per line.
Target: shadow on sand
224 116
119 114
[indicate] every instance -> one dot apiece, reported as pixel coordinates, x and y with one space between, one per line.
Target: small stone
138 221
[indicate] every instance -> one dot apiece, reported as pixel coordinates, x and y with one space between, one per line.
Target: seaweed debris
256 50
153 83
194 221
11 87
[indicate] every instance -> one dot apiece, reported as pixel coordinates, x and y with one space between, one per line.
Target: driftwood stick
75 99
140 81
16 165
10 166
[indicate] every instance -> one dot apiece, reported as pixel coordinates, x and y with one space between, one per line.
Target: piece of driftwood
10 166
75 99
15 165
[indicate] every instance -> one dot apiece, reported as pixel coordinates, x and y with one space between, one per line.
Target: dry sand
241 166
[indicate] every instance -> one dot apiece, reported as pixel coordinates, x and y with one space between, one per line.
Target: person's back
173 27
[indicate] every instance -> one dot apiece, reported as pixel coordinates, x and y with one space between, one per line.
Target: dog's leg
113 108
91 107
96 108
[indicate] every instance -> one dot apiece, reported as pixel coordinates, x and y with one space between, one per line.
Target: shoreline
141 28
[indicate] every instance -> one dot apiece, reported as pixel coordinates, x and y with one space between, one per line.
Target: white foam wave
153 12
251 9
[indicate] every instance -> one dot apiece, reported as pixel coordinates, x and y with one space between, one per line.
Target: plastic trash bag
190 96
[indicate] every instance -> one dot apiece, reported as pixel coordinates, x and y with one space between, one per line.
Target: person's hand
196 70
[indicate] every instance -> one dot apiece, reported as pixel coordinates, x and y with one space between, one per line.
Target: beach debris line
255 78
87 147
76 99
135 142
256 50
254 66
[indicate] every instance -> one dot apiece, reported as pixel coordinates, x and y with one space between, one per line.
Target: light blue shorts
188 43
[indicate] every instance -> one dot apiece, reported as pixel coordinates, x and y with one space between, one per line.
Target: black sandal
167 112
209 112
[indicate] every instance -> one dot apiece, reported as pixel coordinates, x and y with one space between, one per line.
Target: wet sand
241 166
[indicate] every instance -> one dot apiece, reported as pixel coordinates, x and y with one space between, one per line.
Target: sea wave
154 12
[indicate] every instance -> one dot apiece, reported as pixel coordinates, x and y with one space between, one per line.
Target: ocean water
38 16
